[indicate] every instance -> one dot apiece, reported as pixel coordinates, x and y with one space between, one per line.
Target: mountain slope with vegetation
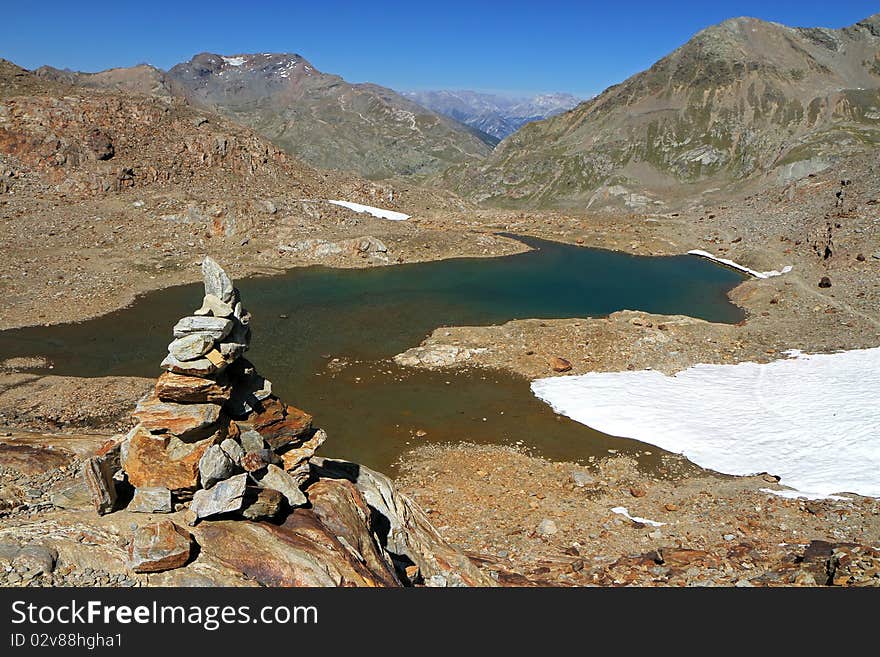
743 101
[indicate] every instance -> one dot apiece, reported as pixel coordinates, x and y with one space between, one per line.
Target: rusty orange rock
182 389
560 364
165 460
292 425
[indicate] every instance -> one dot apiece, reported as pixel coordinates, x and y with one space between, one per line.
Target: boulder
181 389
191 346
217 282
164 460
151 499
408 533
233 450
251 441
217 327
36 559
225 497
215 465
71 495
280 425
159 546
277 479
299 552
186 421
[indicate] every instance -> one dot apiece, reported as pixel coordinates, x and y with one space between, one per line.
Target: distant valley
494 114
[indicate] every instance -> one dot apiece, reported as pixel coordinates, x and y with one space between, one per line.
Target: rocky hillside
141 79
324 120
498 116
744 100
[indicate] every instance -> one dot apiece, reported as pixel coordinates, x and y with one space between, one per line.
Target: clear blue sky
514 46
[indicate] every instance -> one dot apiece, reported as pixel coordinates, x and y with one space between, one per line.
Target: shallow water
371 407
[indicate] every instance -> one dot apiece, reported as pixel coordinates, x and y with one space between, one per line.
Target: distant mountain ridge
324 120
494 114
741 102
319 118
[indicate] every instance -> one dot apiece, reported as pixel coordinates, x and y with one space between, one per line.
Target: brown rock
31 460
253 461
159 546
295 457
264 503
186 421
301 552
282 427
182 389
164 460
637 491
558 364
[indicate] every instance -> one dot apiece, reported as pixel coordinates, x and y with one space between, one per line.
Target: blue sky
580 47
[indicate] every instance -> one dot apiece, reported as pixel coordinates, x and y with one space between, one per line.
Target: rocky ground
543 523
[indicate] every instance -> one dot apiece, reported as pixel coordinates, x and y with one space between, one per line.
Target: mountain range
742 104
494 114
745 101
317 117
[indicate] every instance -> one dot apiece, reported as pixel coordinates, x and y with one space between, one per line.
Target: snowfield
376 212
813 420
736 265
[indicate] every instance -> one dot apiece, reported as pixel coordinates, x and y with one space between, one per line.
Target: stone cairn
211 435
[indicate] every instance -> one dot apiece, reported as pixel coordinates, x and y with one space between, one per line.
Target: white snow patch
812 420
234 61
376 212
736 265
621 511
797 495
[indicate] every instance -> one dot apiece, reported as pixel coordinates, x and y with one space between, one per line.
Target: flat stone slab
191 346
225 497
186 421
217 327
151 499
200 367
183 389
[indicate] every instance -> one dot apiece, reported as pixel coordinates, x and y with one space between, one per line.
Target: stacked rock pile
211 435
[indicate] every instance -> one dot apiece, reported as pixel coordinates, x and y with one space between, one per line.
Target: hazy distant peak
498 115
